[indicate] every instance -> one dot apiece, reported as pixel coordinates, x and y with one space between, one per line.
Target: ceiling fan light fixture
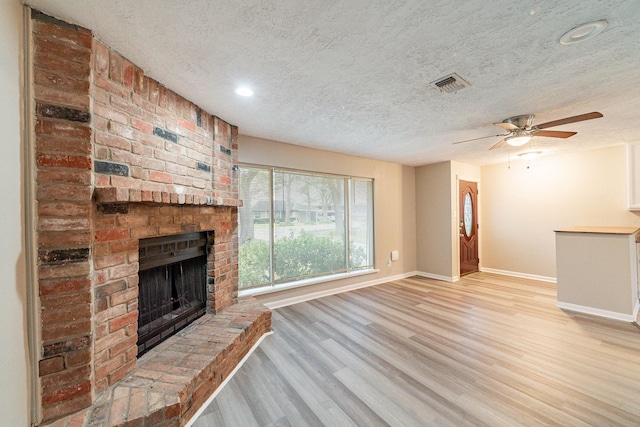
518 140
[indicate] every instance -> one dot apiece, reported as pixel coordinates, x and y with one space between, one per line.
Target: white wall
521 207
394 199
13 356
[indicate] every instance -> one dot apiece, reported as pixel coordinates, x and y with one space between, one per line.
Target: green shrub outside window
296 225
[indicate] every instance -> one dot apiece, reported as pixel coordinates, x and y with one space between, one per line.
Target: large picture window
297 225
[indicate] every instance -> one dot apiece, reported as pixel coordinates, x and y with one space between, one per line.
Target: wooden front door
468 215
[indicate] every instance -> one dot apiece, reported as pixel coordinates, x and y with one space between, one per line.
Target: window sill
307 282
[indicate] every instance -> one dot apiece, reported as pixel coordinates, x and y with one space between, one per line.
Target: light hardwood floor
486 351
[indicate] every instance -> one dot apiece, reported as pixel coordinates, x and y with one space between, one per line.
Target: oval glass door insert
468 215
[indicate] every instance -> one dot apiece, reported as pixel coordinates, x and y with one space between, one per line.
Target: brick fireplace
120 158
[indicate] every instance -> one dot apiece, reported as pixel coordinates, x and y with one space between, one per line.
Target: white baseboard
520 275
226 380
437 276
319 294
599 312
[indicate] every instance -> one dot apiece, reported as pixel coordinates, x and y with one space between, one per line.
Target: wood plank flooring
486 351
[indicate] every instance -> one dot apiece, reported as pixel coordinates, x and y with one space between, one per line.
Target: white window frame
272 285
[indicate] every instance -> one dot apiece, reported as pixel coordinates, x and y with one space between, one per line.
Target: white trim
633 262
34 343
319 294
437 276
306 282
226 380
633 157
599 312
520 275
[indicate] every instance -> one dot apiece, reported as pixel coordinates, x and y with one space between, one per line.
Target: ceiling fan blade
573 119
507 126
499 144
554 133
475 139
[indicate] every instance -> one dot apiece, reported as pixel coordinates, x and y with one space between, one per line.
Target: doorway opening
468 227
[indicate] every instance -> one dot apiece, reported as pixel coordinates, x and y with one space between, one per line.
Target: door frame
456 223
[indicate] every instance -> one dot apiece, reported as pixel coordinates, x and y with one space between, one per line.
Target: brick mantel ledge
173 380
124 195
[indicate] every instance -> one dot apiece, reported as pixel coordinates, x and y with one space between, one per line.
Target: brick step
173 380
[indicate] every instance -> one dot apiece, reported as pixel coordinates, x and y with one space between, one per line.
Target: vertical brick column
115 284
225 158
233 256
62 58
235 196
122 129
221 268
225 192
234 167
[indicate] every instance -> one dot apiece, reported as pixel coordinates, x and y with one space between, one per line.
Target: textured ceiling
354 76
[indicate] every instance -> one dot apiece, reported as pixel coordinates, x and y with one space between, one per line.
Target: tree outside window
296 226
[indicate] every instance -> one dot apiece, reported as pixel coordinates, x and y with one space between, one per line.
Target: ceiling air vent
451 83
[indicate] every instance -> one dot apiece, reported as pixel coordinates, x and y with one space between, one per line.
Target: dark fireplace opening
172 286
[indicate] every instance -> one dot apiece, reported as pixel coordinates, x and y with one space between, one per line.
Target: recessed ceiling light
583 32
244 91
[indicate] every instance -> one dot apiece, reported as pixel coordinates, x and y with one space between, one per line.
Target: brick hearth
119 157
174 379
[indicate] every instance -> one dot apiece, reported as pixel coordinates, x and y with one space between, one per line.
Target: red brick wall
63 134
154 145
119 157
118 228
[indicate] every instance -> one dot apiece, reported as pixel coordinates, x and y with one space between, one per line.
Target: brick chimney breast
119 157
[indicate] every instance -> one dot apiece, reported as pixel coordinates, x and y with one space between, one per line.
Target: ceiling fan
521 129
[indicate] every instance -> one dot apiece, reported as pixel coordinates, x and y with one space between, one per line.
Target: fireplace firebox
172 285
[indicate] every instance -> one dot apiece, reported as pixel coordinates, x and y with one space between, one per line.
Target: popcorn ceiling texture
354 76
